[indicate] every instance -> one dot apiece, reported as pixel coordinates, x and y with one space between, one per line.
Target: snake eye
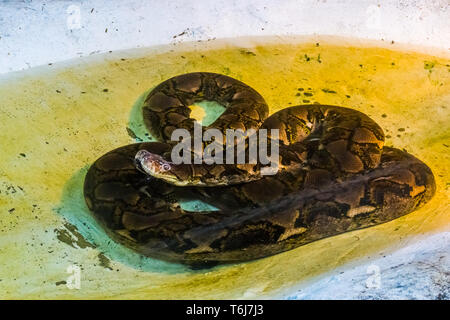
166 167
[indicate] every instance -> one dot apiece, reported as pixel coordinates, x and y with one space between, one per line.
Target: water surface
57 119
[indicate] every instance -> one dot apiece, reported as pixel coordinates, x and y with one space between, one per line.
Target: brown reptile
336 176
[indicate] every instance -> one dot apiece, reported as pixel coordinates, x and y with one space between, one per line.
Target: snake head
156 166
151 163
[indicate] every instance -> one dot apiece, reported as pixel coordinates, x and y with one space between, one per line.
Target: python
238 147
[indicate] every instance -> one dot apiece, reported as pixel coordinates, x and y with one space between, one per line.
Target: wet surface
56 120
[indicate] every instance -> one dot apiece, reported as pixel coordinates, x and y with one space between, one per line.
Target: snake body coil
336 176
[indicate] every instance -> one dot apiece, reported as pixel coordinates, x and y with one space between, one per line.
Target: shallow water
57 119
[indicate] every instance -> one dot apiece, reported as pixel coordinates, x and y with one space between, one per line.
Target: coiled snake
336 176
